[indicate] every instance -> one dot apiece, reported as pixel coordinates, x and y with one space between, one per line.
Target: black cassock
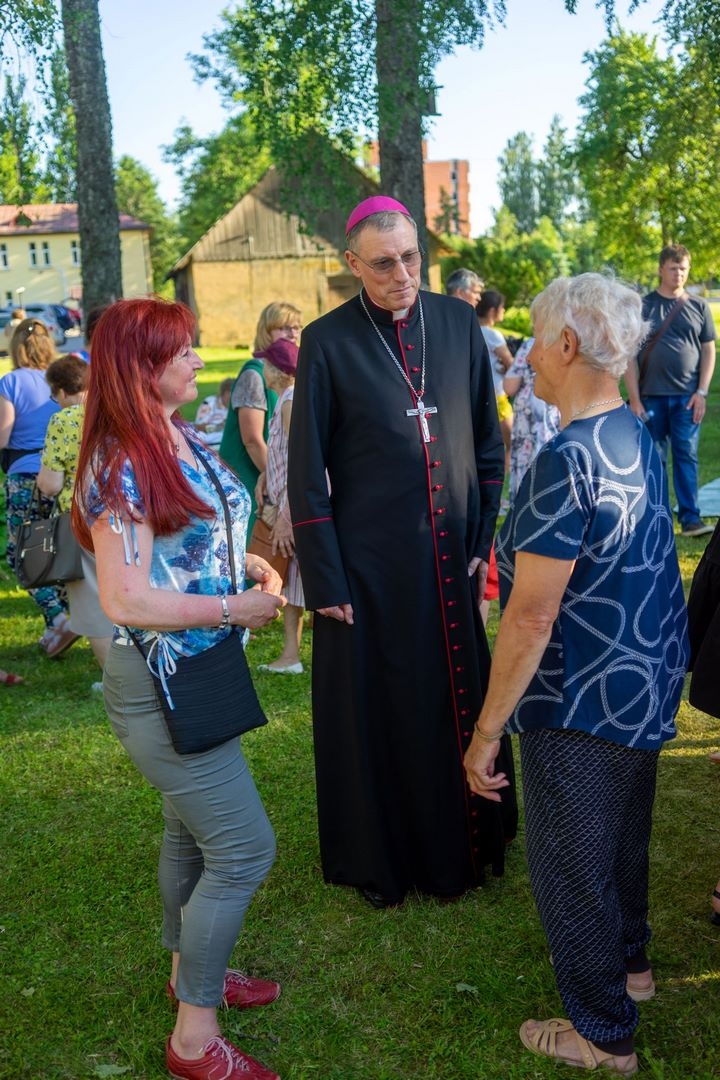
395 695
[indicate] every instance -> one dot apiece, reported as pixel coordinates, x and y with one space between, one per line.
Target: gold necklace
594 405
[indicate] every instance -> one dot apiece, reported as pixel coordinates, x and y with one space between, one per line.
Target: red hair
133 343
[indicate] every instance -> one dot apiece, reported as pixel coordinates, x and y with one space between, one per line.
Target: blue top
193 560
29 393
616 660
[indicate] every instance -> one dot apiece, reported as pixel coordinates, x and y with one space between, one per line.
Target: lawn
426 992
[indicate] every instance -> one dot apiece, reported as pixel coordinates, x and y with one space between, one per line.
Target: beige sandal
543 1041
638 987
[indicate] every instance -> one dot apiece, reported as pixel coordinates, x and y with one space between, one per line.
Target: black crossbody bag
212 698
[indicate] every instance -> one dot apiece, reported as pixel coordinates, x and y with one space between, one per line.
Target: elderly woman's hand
261 572
480 769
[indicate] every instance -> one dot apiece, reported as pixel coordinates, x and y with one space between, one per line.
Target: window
4 261
45 253
8 298
33 253
75 252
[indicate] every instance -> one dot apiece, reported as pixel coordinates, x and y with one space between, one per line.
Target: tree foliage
28 26
21 173
339 69
696 25
137 195
556 174
214 173
517 181
59 132
533 188
647 152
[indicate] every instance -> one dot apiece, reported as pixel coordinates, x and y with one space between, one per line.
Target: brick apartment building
447 192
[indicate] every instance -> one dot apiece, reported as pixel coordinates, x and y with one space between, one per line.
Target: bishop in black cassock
395 474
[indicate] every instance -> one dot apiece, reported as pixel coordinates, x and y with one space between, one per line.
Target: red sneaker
242 992
221 1061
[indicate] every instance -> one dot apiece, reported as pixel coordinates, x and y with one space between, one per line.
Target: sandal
543 1041
715 901
8 679
638 987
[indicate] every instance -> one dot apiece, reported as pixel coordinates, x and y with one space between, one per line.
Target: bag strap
669 318
226 509
36 501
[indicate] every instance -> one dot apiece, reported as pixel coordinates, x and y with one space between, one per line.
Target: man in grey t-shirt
669 385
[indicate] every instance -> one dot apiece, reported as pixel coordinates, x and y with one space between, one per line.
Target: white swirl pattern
615 665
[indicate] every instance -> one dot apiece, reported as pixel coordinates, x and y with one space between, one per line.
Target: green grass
427 992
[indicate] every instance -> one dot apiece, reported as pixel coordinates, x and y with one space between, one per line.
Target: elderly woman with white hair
588 668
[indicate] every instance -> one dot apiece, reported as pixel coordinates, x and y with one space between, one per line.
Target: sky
526 72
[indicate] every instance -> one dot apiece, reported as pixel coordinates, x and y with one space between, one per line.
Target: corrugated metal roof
257 227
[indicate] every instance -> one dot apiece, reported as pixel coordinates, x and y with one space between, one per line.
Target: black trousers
588 816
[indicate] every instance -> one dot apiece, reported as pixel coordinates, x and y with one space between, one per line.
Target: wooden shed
258 253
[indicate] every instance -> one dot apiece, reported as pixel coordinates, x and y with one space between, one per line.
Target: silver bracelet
225 614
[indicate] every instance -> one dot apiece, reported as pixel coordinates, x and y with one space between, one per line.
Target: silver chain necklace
420 410
417 394
594 405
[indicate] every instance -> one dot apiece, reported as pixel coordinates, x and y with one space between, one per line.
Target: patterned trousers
51 600
588 816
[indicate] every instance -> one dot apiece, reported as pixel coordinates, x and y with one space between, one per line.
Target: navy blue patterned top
614 667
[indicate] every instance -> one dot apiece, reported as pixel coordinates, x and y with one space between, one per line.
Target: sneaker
97 688
221 1061
697 528
242 992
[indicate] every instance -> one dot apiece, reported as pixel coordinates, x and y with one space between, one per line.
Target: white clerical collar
400 314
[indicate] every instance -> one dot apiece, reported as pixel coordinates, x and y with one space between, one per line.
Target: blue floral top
193 560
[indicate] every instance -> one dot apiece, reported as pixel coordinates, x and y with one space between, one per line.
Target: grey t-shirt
675 360
249 391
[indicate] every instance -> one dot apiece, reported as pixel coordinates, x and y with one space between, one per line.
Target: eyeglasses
290 330
410 260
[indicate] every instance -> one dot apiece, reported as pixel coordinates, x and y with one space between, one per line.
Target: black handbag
47 552
211 697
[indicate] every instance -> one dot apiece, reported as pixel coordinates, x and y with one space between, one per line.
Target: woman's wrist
486 737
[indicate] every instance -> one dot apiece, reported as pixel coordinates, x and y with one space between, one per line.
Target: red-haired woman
146 502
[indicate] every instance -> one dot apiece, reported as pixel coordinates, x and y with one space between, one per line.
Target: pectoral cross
422 412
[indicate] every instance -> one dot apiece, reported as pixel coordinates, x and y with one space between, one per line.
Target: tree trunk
401 102
97 206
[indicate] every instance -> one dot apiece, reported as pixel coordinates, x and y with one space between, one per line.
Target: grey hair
384 221
462 278
604 313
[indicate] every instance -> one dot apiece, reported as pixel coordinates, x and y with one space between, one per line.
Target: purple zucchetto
376 204
282 354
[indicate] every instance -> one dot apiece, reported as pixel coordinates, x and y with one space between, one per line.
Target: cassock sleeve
489 449
323 575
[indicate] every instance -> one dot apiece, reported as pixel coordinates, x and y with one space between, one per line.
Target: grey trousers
218 845
588 816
